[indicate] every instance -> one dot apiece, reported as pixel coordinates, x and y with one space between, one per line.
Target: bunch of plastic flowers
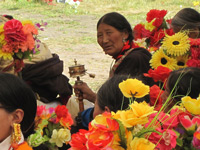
150 34
52 127
17 42
125 129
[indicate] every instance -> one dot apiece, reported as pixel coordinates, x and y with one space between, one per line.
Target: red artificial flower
79 140
159 74
140 32
156 37
193 63
158 15
194 42
195 53
169 32
155 95
13 31
61 111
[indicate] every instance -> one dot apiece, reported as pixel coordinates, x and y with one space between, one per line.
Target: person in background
17 112
114 35
187 19
189 85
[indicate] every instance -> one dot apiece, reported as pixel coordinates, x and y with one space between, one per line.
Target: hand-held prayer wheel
77 71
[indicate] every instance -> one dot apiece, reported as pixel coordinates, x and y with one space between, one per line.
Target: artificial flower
159 74
188 123
99 139
6 55
141 144
177 44
181 62
61 136
157 37
193 63
160 59
27 22
155 95
23 146
157 16
79 140
61 111
137 114
196 140
192 105
133 88
140 32
149 26
105 122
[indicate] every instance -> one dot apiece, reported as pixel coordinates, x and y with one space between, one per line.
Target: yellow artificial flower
1 28
141 144
27 22
195 3
149 25
137 114
61 136
134 88
192 105
160 59
181 62
5 55
177 44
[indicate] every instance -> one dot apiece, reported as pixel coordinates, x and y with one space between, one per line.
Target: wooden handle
80 96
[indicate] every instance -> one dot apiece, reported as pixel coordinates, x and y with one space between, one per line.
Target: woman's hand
86 91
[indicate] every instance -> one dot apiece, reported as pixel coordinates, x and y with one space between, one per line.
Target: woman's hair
189 83
111 96
187 18
15 94
117 21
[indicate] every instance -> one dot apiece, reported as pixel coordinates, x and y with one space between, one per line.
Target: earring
124 40
16 135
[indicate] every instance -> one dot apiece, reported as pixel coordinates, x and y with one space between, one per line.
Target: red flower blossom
13 31
79 140
61 111
158 15
140 32
155 95
159 74
193 63
195 53
156 37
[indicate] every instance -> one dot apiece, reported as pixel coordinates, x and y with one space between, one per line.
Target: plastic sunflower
181 62
177 44
160 59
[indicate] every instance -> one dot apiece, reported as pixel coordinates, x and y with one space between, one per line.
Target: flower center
163 61
180 63
176 43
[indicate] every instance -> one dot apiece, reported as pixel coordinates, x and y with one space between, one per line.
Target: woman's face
5 124
110 39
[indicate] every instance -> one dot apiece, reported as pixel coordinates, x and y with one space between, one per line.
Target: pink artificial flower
40 110
196 139
188 123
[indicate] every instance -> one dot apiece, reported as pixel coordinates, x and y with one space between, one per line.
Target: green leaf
121 133
146 130
179 142
19 55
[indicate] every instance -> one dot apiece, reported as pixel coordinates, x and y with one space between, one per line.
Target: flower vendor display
177 51
150 33
18 41
52 127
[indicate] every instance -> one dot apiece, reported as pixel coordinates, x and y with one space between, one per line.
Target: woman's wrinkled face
110 39
5 124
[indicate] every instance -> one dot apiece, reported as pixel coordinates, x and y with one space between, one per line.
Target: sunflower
181 62
160 59
177 44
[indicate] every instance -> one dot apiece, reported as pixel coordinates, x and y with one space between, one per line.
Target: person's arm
87 92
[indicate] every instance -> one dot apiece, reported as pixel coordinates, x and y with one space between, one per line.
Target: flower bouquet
52 127
150 34
17 42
